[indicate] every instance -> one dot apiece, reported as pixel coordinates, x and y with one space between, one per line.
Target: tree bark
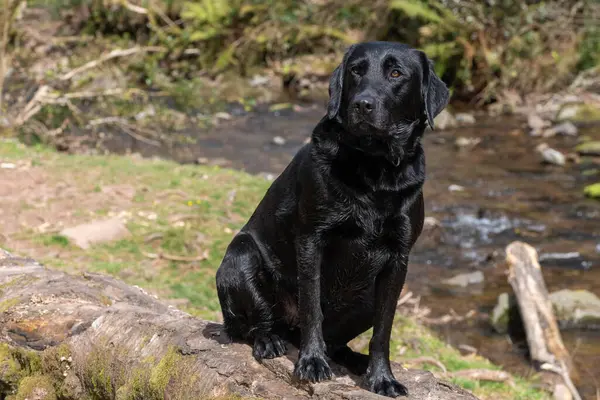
118 342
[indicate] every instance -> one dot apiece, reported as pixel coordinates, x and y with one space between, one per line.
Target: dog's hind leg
247 307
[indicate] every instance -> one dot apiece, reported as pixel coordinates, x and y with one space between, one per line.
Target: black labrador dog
324 256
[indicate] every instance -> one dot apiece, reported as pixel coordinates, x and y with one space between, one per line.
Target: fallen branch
94 336
113 54
545 344
44 95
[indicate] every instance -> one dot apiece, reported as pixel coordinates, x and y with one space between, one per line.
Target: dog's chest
360 244
375 224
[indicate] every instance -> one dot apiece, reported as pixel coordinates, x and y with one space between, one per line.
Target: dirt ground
34 201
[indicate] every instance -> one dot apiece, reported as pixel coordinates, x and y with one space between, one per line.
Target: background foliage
482 49
479 46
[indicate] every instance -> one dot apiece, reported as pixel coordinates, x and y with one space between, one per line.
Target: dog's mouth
363 126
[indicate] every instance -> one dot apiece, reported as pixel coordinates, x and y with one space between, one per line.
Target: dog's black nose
364 104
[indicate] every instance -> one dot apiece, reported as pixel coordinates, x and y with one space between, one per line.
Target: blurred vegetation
194 57
480 47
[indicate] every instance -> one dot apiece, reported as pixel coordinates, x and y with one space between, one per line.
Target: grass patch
55 240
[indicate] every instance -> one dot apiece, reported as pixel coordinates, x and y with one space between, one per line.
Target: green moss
10 369
16 364
105 377
37 387
145 341
18 281
588 113
580 112
101 383
102 374
8 284
164 371
54 361
591 147
150 380
592 191
8 304
105 300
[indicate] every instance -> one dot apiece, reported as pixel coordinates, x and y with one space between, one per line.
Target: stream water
507 194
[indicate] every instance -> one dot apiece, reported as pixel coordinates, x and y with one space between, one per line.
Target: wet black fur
324 256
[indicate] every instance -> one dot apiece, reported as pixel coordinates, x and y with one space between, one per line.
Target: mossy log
90 336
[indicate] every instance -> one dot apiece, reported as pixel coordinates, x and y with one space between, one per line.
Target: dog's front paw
385 385
268 346
312 368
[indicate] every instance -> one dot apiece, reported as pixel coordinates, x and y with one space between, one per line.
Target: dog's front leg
311 364
389 282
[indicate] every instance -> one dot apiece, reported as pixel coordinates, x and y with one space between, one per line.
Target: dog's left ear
434 91
336 86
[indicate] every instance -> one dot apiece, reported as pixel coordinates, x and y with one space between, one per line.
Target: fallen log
546 348
92 336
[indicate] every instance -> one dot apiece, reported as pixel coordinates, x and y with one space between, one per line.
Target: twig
89 95
467 348
153 236
404 299
126 127
134 8
113 54
182 217
58 131
148 11
170 257
445 319
52 40
169 192
163 16
484 375
105 120
427 360
33 106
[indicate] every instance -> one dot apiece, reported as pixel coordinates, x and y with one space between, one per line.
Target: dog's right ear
336 86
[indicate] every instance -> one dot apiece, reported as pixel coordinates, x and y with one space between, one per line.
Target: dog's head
381 87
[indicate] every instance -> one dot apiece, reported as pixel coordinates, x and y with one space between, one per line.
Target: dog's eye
395 73
355 70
